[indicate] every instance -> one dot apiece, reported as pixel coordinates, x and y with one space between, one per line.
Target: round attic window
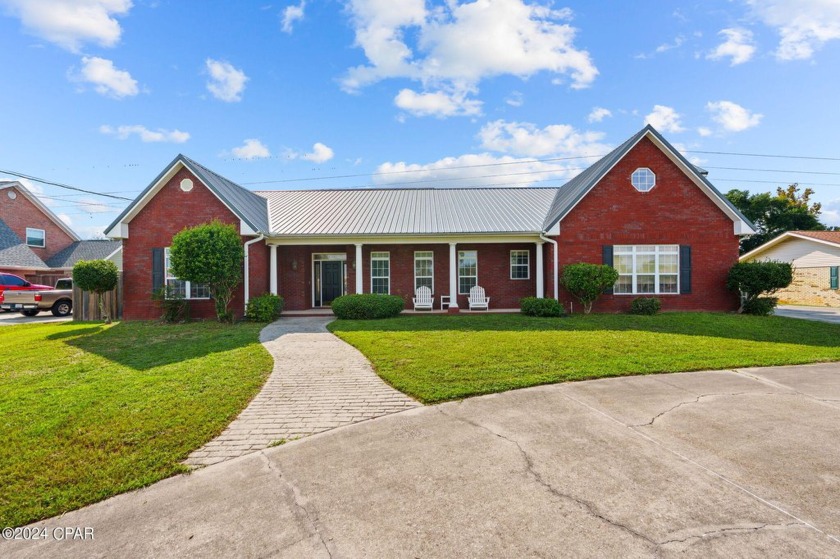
643 179
12 194
186 185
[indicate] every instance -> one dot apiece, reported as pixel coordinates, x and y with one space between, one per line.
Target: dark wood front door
331 281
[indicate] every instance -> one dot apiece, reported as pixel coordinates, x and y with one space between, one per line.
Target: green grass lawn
89 410
438 357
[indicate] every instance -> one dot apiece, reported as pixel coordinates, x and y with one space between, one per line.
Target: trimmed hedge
761 306
645 305
265 308
532 306
367 306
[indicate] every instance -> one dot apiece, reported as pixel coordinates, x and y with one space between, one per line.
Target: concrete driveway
12 318
821 314
711 464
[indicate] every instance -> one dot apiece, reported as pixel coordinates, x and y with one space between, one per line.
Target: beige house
815 256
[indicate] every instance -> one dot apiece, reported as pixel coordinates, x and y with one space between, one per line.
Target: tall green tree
211 254
98 276
788 210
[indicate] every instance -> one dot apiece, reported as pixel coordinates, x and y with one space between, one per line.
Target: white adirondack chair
423 299
478 299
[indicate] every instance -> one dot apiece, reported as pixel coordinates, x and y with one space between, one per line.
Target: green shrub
98 276
175 308
367 306
761 306
588 281
532 306
265 308
645 305
757 280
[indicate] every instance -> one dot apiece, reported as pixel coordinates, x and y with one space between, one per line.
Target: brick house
642 208
815 256
36 244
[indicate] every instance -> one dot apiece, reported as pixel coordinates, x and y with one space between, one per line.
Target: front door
332 282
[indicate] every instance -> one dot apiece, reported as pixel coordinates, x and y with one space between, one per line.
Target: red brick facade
674 212
167 213
20 213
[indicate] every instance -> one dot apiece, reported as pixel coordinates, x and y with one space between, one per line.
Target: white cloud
804 25
226 82
93 206
106 78
66 219
665 47
733 117
71 23
830 214
292 14
251 149
704 132
515 99
738 46
665 119
525 139
145 135
598 114
455 46
438 103
320 153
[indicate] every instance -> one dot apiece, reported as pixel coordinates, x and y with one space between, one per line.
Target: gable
799 248
572 193
250 209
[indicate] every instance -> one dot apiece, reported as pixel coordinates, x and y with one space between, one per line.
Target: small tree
211 254
756 281
588 281
97 276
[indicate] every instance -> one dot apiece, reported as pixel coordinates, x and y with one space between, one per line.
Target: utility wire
60 185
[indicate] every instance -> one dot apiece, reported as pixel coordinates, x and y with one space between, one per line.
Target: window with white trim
424 270
36 237
380 272
467 271
643 179
177 288
647 269
520 264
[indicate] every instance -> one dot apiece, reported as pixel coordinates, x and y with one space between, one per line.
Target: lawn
89 410
435 358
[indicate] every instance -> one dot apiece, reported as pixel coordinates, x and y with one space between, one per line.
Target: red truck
11 282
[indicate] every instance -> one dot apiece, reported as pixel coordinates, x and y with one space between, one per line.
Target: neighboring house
642 208
815 256
36 245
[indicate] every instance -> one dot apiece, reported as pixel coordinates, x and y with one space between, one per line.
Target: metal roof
83 250
14 252
408 211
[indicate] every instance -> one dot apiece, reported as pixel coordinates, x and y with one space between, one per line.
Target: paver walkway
319 382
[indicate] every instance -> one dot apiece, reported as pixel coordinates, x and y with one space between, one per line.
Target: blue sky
102 94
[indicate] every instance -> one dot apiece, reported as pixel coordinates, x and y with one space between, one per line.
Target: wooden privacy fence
86 304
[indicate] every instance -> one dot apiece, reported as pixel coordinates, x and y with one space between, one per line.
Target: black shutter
157 269
607 259
685 269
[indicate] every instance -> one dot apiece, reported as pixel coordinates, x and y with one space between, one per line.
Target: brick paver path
318 383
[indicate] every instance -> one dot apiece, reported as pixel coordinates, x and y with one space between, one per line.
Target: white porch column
359 269
453 276
540 273
272 270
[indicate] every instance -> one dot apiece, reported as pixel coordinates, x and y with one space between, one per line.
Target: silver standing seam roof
408 211
413 211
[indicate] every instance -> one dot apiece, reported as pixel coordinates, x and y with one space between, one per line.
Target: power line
807 157
60 185
773 171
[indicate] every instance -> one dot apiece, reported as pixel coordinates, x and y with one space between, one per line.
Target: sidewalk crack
728 531
697 400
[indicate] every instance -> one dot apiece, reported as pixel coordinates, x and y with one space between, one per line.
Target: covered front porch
310 272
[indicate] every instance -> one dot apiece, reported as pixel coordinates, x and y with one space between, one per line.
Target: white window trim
460 252
527 264
632 182
416 252
387 257
656 273
43 235
167 277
